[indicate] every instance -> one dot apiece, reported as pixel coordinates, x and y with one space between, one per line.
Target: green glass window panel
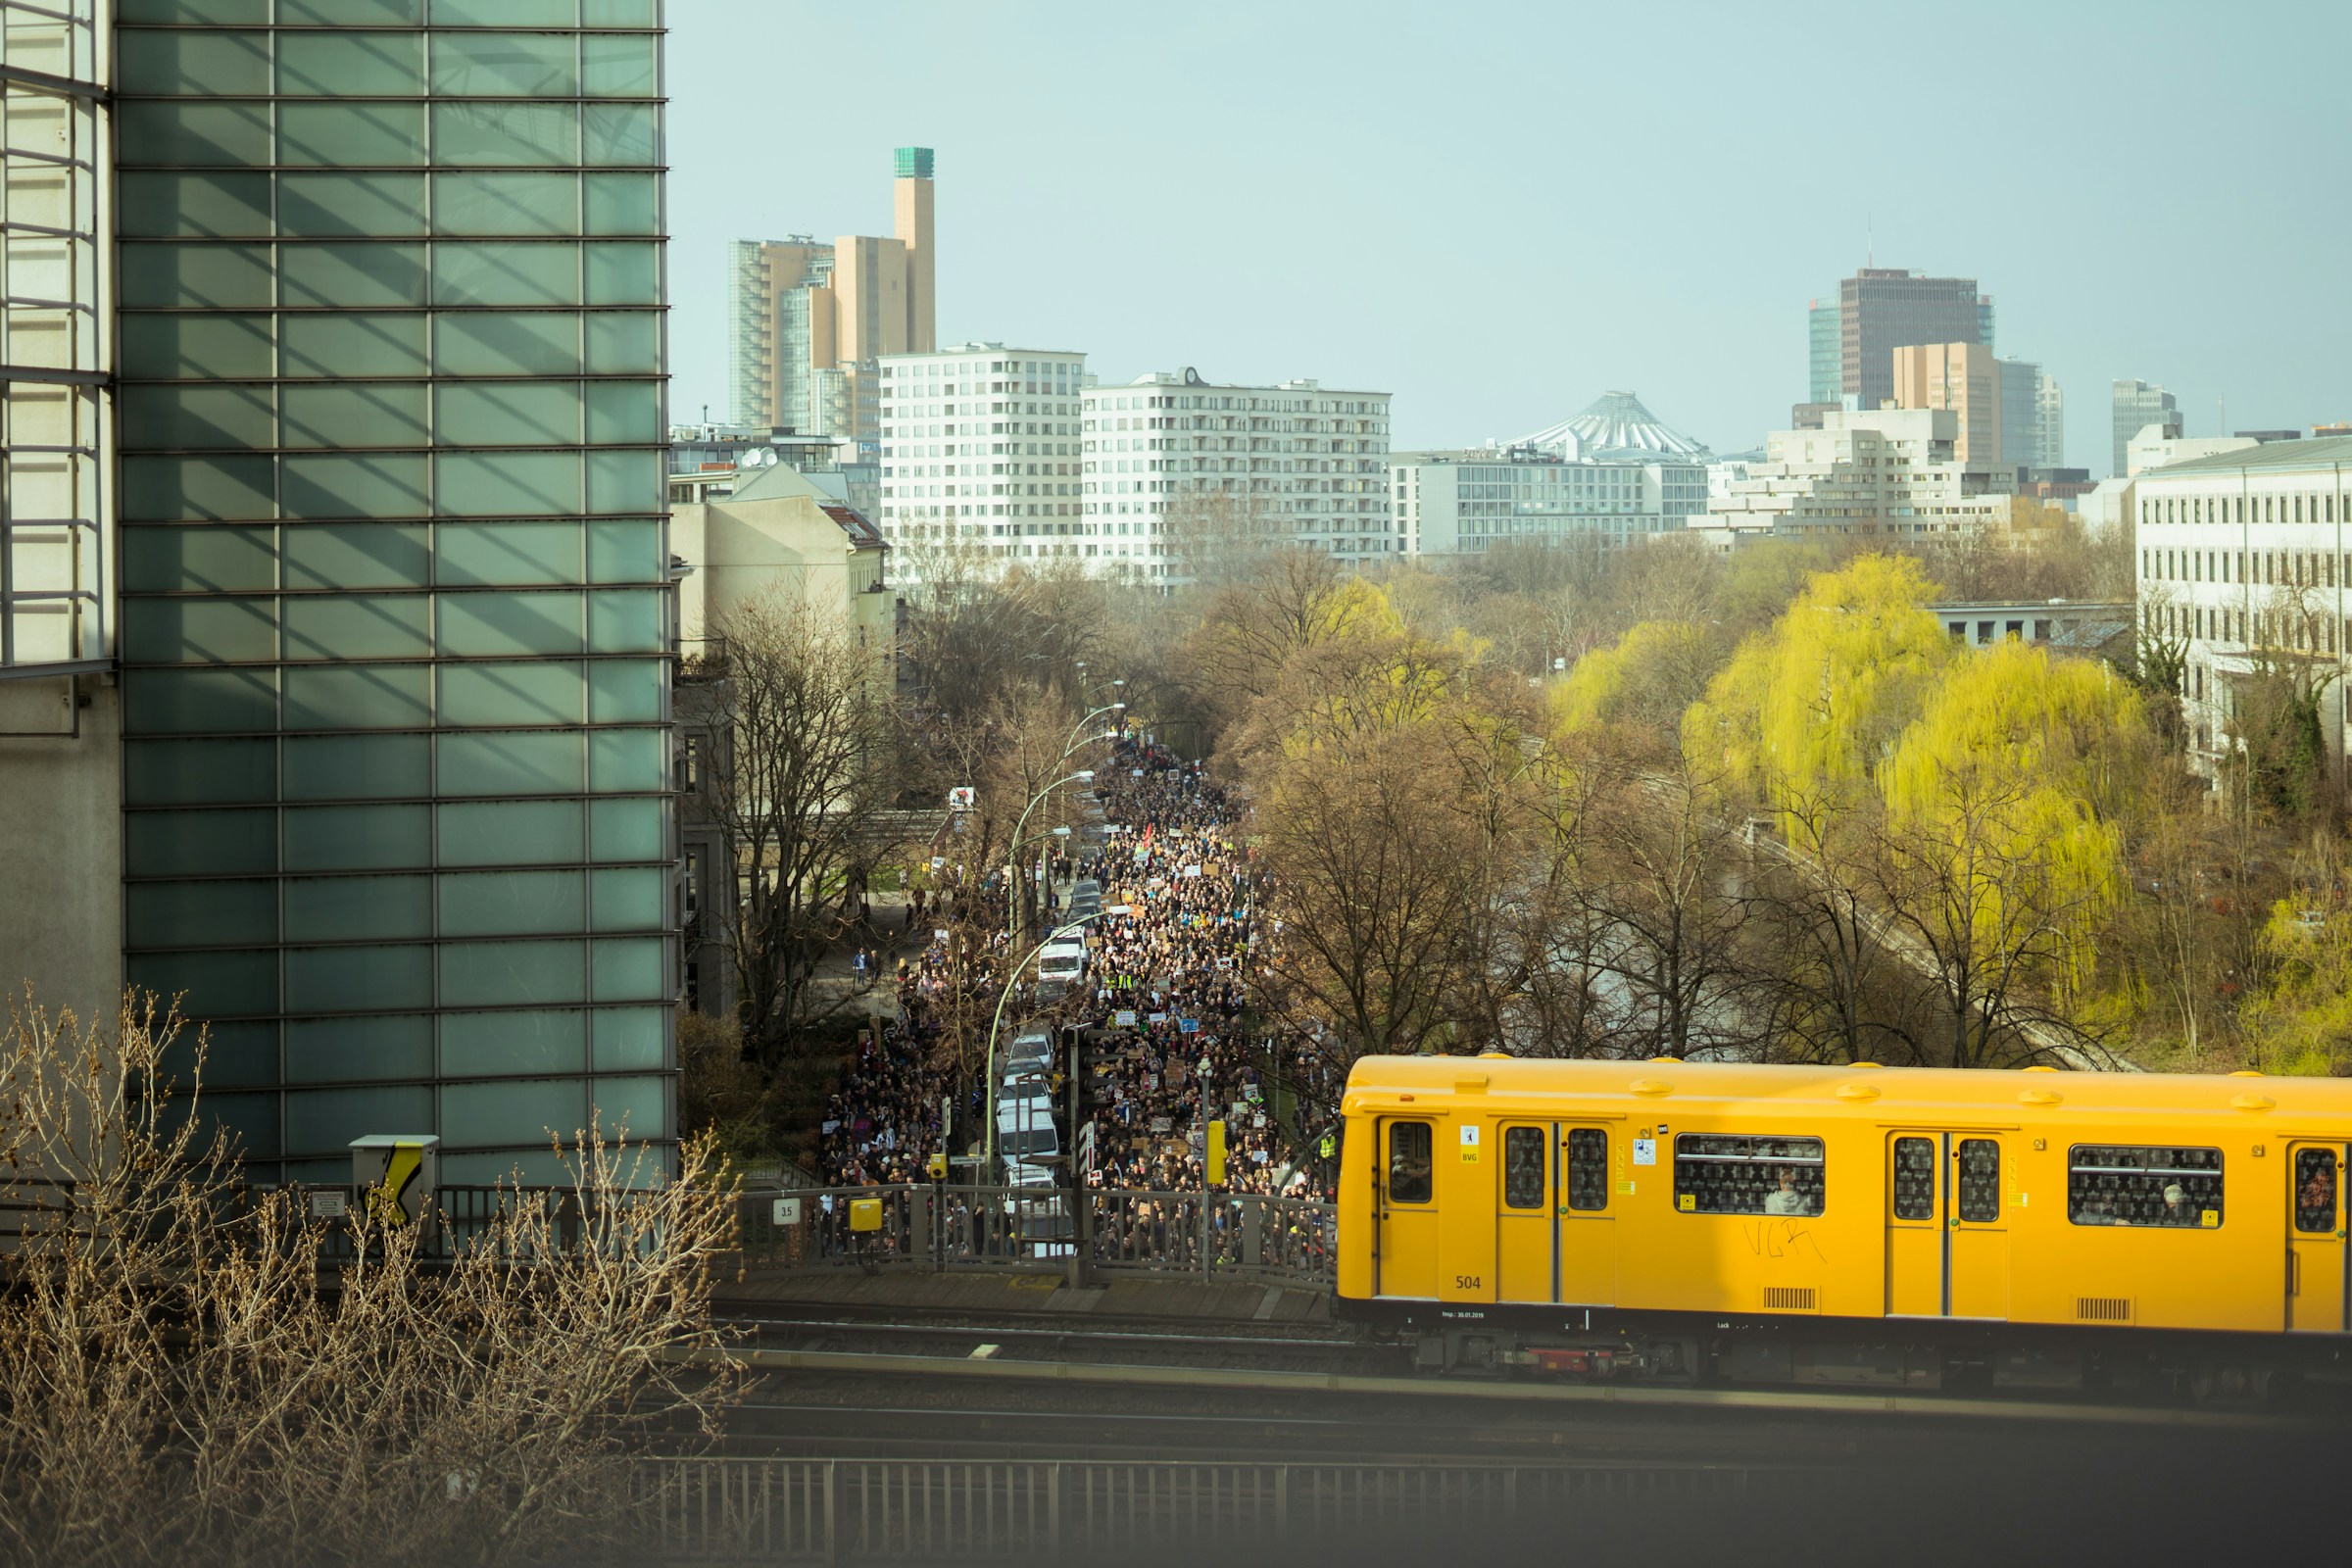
491 624
221 630
619 65
237 1055
219 984
513 134
192 134
219 560
508 412
199 842
357 206
327 1051
199 772
625 622
340 345
505 13
506 272
339 486
211 347
500 904
358 626
625 830
359 979
199 914
192 489
626 1039
507 65
351 13
625 551
618 14
511 763
523 1112
212 64
507 203
504 343
622 482
351 65
353 275
357 767
490 485
358 908
621 761
624 343
507 553
190 702
324 1120
249 1122
626 900
509 833
486 1044
367 696
212 277
229 10
624 275
375 414
630 1106
349 136
624 691
220 204
353 555
489 974
627 970
201 418
506 694
357 838
625 412
619 134
622 204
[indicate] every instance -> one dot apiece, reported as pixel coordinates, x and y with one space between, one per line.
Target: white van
1062 962
1026 1137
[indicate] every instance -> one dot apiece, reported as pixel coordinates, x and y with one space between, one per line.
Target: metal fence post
1054 1501
831 1545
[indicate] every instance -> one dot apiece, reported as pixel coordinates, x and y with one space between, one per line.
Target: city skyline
1180 209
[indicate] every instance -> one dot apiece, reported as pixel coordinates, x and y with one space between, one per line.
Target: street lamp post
1012 895
1011 981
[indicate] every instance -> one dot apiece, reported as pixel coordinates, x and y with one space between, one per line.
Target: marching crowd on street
1163 1009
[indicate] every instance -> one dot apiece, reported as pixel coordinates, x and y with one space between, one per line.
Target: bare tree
800 720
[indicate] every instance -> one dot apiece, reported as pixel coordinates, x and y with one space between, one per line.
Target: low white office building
1882 471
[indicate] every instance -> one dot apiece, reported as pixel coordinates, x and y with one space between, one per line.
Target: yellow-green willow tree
1650 675
2003 800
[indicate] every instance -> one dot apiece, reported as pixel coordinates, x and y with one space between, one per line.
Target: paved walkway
996 1291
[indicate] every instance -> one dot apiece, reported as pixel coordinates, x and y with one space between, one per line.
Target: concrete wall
61 843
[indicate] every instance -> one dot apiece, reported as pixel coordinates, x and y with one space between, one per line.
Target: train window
1523 1167
2112 1184
2315 1190
1979 1186
1716 1173
1408 1163
1915 1178
1588 1169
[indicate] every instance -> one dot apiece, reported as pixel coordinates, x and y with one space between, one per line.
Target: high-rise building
371 761
980 453
2049 421
811 322
1963 377
1823 334
2138 405
1881 308
1299 462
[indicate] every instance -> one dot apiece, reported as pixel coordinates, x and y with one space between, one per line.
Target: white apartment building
1469 502
1300 462
981 451
1877 471
2246 558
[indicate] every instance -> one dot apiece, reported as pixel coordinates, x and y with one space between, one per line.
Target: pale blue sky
1498 211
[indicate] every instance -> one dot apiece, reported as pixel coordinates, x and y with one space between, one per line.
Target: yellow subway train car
1856 1225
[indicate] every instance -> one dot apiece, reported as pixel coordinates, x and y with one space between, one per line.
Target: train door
2319 1292
1947 1239
1405 1261
1587 1234
1526 1260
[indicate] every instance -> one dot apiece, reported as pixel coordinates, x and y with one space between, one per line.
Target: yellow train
1857 1225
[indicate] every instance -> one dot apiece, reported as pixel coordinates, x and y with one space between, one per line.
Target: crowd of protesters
1170 1043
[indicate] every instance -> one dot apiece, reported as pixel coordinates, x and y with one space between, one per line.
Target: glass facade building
394 565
